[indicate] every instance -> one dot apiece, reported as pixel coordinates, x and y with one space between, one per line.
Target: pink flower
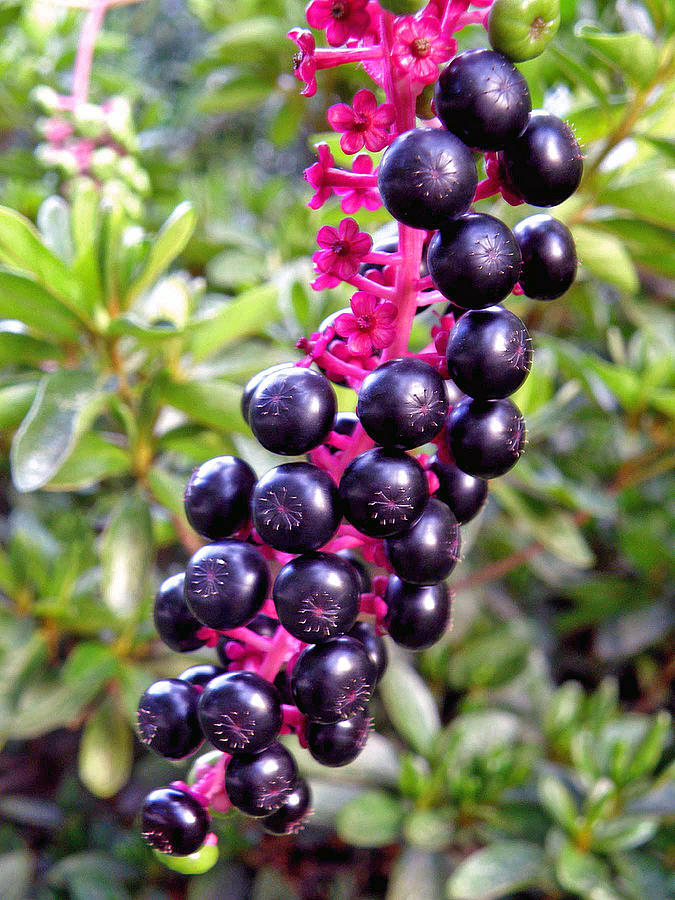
315 175
342 19
419 47
355 198
369 326
363 123
304 63
344 248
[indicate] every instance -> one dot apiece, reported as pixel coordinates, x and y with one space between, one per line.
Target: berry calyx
173 822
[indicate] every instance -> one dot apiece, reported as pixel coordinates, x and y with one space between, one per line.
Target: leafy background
529 755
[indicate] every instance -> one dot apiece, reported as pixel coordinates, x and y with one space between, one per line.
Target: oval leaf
126 554
497 870
171 240
371 820
409 704
106 750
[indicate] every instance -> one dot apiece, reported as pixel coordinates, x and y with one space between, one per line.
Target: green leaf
16 871
583 873
623 833
633 54
417 875
643 876
409 704
241 91
21 297
377 764
605 256
53 220
477 734
212 403
558 801
168 489
648 752
64 407
428 829
92 460
171 240
248 314
92 865
91 664
126 555
496 871
371 820
15 401
651 198
17 349
106 751
489 660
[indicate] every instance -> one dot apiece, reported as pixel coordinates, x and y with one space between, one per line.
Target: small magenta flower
419 47
342 19
343 251
304 63
363 123
354 198
316 174
369 326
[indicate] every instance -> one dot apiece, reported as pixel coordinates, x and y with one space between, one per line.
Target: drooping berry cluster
282 589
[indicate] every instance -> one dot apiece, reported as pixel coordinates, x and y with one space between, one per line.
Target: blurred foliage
532 760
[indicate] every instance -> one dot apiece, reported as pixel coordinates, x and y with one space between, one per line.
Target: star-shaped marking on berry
519 350
391 505
157 840
503 88
353 698
208 577
146 722
280 510
493 254
516 437
237 728
319 613
274 400
275 791
426 409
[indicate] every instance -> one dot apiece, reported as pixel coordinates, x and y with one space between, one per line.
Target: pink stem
371 287
282 647
355 180
85 51
250 638
453 11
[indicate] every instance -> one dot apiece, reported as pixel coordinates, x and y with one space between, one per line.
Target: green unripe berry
521 29
195 864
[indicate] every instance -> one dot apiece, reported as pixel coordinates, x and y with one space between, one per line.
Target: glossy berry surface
402 403
200 675
373 644
486 437
226 584
549 257
340 743
427 176
217 496
521 29
167 718
292 411
417 615
345 423
544 164
253 383
174 621
353 558
464 494
240 712
291 816
489 353
428 551
474 261
296 507
317 596
172 821
333 680
483 99
258 783
383 492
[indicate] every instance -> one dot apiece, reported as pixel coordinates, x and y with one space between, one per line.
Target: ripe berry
352 557
549 257
240 712
217 496
521 29
258 783
293 813
167 718
427 176
345 423
486 437
292 410
373 644
200 675
296 507
253 383
489 353
172 821
464 494
333 680
483 99
317 596
174 622
226 584
428 551
417 615
402 403
474 260
544 164
340 743
383 492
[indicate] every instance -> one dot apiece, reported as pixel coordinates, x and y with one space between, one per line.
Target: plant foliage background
529 754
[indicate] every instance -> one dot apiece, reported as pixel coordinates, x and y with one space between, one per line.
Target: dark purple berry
253 383
217 496
200 675
544 164
317 596
167 718
452 393
383 492
226 584
174 622
426 177
428 551
474 260
549 257
464 494
240 712
402 403
296 507
417 615
486 437
489 353
259 783
483 99
373 644
292 411
333 680
172 821
352 557
340 743
345 423
293 813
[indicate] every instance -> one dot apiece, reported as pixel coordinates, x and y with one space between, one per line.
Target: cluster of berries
280 590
